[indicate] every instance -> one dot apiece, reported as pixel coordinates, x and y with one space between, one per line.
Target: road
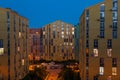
53 74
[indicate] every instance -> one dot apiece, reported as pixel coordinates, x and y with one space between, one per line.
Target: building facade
77 42
13 45
99 41
36 43
58 41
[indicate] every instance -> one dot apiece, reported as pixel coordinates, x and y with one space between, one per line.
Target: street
53 74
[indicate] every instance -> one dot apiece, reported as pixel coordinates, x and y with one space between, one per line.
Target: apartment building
58 41
99 41
13 45
77 42
36 44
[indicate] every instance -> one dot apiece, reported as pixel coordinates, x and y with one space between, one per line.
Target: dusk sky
42 12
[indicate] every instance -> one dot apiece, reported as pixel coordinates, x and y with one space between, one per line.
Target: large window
1 47
115 18
102 15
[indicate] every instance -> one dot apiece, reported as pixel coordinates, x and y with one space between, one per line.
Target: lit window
73 29
109 52
18 48
71 44
44 33
67 33
20 34
62 33
36 32
95 51
62 28
1 47
1 51
23 62
101 71
72 32
114 71
62 36
67 43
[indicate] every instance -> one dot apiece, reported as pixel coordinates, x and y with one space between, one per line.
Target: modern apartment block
99 41
13 45
36 44
58 41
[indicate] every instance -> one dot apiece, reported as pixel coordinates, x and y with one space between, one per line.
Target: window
43 32
95 52
101 66
62 36
115 18
96 43
62 32
18 49
114 62
71 44
8 16
115 15
114 34
109 44
1 47
62 50
102 62
1 51
102 15
102 8
8 27
109 52
87 43
114 71
101 34
101 26
20 34
54 49
87 13
101 71
115 5
73 33
23 62
73 29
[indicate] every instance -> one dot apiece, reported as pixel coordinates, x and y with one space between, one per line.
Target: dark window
109 44
54 49
101 34
87 13
8 15
1 43
87 43
101 62
114 62
87 61
96 43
